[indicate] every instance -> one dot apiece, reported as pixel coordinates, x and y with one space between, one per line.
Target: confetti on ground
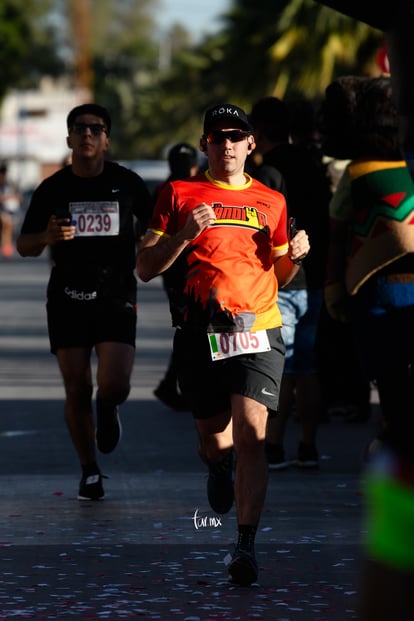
177 581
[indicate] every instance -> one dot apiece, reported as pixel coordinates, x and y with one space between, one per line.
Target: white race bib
95 218
228 344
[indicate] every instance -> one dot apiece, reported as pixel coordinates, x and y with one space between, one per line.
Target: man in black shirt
307 197
88 213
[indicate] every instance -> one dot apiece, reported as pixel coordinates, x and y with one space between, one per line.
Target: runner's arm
33 244
158 251
287 263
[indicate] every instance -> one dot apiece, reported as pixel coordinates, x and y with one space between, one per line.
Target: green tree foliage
158 89
28 49
125 56
14 30
181 95
292 47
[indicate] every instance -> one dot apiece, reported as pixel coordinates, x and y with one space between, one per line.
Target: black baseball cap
226 111
89 108
181 158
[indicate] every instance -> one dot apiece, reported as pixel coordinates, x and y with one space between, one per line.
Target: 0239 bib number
100 218
229 344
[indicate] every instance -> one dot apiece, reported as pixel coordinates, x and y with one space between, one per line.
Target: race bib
95 218
228 344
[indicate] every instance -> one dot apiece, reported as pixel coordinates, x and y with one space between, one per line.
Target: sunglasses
96 128
234 135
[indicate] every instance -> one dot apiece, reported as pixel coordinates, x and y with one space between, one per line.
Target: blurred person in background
388 573
307 196
10 203
183 163
371 285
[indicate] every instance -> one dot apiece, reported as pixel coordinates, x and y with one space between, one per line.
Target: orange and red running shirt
229 283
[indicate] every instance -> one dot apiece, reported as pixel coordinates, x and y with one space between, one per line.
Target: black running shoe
220 487
90 487
307 456
108 427
243 568
275 455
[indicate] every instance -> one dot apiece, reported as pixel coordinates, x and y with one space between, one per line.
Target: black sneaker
275 456
90 487
220 487
307 456
243 568
108 428
171 397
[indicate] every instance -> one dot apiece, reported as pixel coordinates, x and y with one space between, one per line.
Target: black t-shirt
269 175
109 212
272 177
308 197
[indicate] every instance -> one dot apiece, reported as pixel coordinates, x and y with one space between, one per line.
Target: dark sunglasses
234 135
96 128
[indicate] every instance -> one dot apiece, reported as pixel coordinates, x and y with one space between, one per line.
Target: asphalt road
140 553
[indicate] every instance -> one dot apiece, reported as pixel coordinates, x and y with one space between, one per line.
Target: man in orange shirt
231 231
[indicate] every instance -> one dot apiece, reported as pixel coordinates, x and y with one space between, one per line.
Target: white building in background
33 131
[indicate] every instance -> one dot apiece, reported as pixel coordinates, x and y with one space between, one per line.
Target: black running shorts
83 324
208 384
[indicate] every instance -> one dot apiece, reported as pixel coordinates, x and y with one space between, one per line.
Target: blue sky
198 17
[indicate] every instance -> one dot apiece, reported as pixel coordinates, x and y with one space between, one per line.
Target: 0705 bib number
229 344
